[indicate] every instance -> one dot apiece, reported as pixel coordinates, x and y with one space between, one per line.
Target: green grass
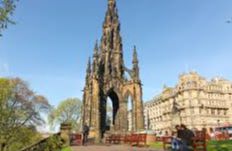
156 145
219 145
66 149
211 146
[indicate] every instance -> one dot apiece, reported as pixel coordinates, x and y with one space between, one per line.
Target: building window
224 112
212 112
193 111
219 112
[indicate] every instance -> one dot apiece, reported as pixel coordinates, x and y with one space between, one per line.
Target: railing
51 143
132 139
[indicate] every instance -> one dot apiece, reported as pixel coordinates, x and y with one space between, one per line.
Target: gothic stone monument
105 78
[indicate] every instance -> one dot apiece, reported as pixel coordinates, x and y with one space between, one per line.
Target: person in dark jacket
186 137
85 134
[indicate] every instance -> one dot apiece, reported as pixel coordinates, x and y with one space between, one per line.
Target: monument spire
88 71
111 3
111 41
135 65
135 56
106 79
95 53
95 59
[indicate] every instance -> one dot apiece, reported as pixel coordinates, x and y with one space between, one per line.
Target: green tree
20 110
7 8
26 136
68 111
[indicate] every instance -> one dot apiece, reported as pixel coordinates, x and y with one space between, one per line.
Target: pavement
111 148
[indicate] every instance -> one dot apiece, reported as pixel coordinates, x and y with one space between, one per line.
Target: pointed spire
111 42
135 56
95 59
95 53
111 3
111 26
135 65
88 70
111 13
89 65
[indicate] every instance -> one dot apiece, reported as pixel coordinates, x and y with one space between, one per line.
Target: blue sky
52 40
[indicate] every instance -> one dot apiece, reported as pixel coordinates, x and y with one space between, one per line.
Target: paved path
110 148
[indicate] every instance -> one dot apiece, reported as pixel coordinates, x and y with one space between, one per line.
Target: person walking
85 134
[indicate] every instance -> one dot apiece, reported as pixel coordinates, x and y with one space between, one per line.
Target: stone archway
130 108
113 97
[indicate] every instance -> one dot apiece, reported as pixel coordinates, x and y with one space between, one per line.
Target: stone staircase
52 143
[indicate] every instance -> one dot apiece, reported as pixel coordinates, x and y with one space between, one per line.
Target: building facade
194 101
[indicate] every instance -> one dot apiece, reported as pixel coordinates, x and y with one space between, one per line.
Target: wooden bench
199 141
138 140
167 141
127 139
132 139
116 139
75 139
142 140
113 139
108 139
159 139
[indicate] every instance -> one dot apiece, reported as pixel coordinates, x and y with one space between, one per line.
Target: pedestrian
166 133
212 134
175 139
175 142
85 134
186 138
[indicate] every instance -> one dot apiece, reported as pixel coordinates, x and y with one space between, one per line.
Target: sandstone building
194 101
105 79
